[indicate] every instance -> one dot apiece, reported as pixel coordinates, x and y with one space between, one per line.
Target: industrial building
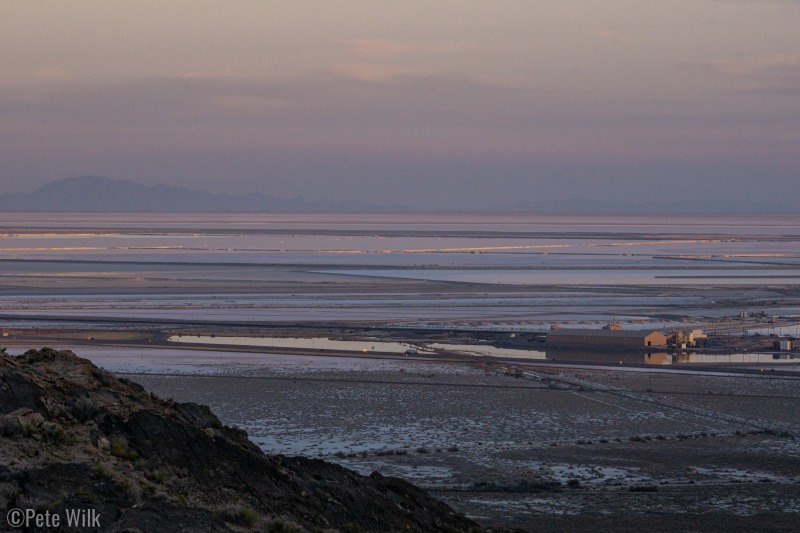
607 338
784 344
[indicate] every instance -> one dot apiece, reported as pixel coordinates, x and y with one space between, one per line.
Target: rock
20 421
28 418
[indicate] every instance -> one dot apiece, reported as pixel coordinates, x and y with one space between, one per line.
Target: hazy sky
453 103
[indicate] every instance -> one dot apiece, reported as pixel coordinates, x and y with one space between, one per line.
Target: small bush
54 433
280 525
123 485
104 377
101 470
84 409
157 476
240 514
10 426
119 448
643 488
129 489
352 527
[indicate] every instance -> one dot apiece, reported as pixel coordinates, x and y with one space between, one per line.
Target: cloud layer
431 102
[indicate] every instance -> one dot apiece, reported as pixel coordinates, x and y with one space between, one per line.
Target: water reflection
665 358
738 358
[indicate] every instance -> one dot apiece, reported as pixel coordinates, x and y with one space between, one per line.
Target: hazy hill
99 194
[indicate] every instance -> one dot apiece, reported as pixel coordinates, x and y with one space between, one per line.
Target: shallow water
511 269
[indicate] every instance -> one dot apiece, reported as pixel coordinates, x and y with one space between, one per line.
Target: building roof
613 333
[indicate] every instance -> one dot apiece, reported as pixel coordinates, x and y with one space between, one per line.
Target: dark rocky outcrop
74 436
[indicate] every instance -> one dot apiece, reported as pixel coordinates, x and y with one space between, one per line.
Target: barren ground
550 449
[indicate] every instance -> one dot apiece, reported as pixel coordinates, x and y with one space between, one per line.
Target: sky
439 103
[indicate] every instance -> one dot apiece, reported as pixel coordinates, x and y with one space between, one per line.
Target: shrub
54 433
352 527
129 489
279 525
10 426
101 470
240 514
157 476
104 377
84 409
119 448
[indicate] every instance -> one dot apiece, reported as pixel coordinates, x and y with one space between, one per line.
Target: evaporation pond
311 343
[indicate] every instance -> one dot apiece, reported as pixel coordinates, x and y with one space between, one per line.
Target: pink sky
464 102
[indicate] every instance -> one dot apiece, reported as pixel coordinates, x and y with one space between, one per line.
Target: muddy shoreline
536 449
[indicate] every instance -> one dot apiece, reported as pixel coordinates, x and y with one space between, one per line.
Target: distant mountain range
104 195
99 194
